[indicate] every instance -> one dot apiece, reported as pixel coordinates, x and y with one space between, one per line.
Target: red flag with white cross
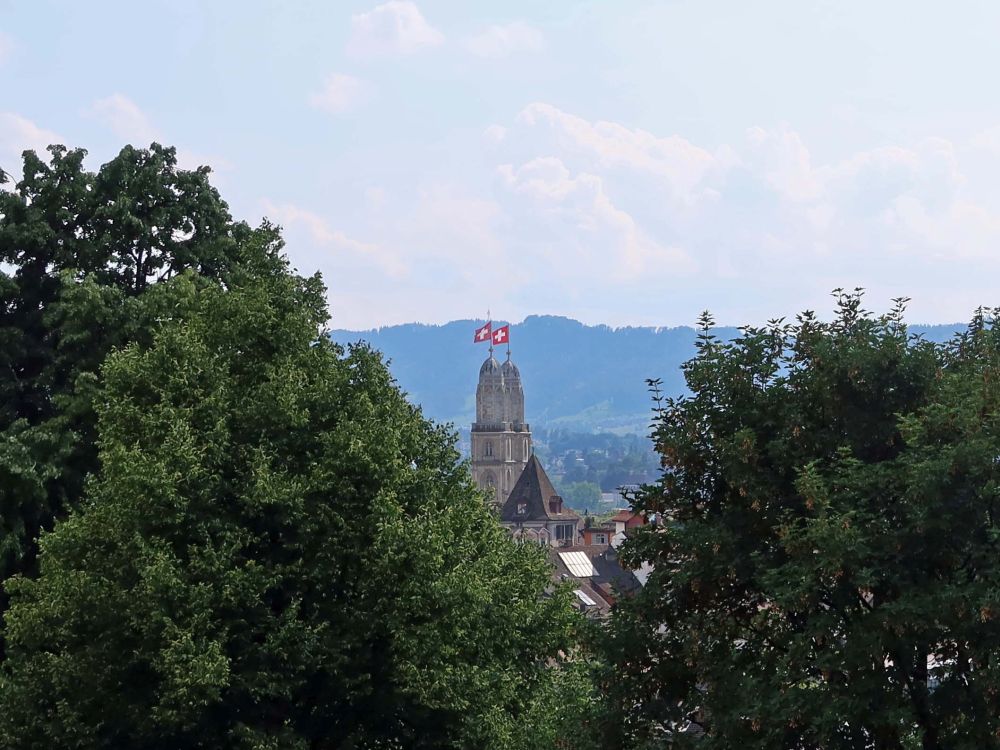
483 334
501 335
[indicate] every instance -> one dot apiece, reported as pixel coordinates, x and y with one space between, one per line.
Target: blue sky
616 162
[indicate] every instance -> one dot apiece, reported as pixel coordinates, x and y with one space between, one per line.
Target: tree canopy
255 540
79 250
826 565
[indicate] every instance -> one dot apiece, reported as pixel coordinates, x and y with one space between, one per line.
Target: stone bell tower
501 440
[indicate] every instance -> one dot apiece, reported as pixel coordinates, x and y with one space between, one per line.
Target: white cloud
682 165
503 41
597 202
393 28
447 222
125 119
18 134
582 213
606 240
340 93
784 161
131 124
321 234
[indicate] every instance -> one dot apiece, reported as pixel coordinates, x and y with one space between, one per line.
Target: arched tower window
488 448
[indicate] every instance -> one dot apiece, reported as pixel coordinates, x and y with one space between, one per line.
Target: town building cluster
505 467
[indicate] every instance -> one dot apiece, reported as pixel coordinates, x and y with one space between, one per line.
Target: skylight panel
578 564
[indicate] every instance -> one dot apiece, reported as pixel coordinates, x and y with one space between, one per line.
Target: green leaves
83 252
277 550
218 528
824 573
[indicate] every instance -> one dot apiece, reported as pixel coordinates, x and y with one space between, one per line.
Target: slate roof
611 579
490 367
534 490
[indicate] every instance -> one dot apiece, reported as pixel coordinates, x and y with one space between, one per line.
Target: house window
601 539
564 531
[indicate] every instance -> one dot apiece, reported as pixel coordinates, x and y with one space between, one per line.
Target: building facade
501 439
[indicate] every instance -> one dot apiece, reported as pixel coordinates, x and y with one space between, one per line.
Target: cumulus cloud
565 213
341 93
19 134
605 239
597 201
784 162
449 223
125 119
393 28
323 236
504 40
678 162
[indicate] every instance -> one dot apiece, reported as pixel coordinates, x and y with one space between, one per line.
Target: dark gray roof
490 367
534 491
611 580
510 369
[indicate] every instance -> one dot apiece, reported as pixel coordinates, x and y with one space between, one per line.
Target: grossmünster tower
501 440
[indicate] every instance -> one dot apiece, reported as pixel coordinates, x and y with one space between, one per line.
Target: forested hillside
576 376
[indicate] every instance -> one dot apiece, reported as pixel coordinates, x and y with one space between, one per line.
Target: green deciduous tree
826 562
581 495
81 250
278 551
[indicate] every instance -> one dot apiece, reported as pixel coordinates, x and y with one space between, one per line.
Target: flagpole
490 320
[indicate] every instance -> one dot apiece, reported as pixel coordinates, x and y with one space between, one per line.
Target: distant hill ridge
576 376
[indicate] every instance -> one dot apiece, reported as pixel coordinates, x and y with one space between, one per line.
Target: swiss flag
501 335
483 334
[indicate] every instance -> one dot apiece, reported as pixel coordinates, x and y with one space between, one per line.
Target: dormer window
522 509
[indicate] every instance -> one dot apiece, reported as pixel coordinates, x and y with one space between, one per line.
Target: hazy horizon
821 314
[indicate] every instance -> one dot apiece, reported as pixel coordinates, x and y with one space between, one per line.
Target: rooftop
533 498
596 572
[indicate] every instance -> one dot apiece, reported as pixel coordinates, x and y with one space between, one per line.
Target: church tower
501 440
